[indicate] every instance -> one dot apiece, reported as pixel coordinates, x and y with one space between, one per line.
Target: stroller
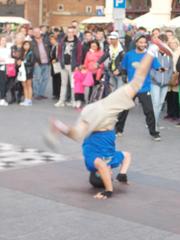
101 90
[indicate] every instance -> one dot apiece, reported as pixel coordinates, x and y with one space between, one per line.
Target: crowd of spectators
76 62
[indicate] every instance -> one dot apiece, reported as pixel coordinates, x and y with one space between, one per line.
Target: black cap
95 180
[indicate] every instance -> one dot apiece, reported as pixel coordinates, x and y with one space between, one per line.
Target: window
88 9
60 7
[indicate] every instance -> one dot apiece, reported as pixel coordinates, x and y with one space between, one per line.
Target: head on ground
95 180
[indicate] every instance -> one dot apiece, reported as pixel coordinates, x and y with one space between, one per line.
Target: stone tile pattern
12 156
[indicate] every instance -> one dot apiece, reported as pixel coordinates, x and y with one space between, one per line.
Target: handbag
10 70
56 67
22 73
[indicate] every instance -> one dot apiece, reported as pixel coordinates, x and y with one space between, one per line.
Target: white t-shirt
5 57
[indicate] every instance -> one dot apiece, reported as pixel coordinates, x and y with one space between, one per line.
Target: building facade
62 12
12 8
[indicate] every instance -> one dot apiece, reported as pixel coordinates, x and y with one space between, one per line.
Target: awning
175 22
151 20
103 20
98 20
17 20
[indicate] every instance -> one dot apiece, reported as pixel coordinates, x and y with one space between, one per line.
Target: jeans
158 95
40 79
66 76
116 81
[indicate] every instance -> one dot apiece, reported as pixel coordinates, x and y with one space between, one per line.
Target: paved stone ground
54 200
13 157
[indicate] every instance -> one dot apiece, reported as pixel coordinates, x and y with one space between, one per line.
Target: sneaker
3 102
71 104
162 46
156 137
167 117
178 124
43 97
26 103
30 102
59 104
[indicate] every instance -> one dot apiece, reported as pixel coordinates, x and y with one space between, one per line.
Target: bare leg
80 130
105 175
25 89
126 162
29 88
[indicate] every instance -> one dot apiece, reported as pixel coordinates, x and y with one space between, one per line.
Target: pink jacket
90 61
78 81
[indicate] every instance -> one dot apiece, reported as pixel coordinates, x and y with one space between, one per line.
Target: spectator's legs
64 85
45 76
158 96
36 80
119 128
2 84
145 100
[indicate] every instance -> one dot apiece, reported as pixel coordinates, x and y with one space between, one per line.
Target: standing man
41 70
115 54
70 57
129 63
88 38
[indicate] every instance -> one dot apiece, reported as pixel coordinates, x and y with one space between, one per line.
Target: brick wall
32 11
73 9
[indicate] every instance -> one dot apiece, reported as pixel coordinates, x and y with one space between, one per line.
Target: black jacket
117 60
29 62
36 50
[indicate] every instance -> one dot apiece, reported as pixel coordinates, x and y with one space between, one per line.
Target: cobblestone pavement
14 157
44 199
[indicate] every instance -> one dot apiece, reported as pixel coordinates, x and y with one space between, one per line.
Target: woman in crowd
92 56
56 75
28 61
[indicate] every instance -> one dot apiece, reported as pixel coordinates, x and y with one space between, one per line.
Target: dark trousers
146 101
56 85
173 108
3 80
11 89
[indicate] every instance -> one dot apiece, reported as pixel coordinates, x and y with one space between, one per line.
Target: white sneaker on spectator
59 104
3 102
26 103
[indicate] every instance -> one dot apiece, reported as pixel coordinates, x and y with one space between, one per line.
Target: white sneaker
3 102
71 104
26 103
59 104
